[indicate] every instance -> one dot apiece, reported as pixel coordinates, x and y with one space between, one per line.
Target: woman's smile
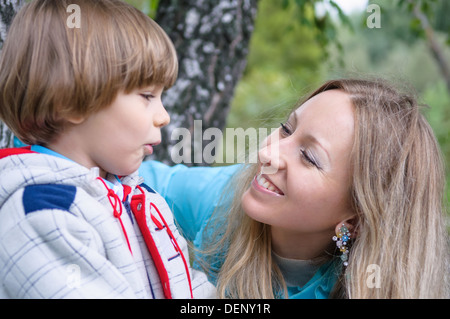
264 184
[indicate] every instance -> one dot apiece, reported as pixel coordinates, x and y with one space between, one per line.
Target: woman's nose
271 155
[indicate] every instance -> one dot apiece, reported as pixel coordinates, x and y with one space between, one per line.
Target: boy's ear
351 224
76 119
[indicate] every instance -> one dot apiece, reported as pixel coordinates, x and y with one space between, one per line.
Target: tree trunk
8 8
212 40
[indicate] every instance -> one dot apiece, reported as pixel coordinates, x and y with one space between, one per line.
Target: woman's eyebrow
292 118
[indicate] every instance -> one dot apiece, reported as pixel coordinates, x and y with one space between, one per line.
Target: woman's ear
350 224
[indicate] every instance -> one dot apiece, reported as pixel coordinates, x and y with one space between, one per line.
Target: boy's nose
162 118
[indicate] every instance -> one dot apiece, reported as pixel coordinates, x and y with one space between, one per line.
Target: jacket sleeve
46 251
193 193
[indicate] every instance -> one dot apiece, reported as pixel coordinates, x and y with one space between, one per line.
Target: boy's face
117 138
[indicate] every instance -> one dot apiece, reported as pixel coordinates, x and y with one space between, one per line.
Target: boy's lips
148 148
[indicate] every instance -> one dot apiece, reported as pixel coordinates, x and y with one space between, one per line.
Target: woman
345 202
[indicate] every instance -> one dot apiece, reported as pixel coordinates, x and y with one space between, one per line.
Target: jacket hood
20 170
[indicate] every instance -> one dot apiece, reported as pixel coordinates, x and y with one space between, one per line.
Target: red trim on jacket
5 152
138 209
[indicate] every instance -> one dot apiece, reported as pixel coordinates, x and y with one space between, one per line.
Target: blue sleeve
191 192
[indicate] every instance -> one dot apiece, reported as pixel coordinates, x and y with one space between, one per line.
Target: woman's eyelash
309 159
286 130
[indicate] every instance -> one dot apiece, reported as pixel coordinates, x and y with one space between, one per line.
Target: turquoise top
44 150
193 193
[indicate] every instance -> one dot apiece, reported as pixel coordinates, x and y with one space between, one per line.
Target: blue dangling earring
342 238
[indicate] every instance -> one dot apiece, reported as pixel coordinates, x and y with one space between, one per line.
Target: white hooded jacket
64 234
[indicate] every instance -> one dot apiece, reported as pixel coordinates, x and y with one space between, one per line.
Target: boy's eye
147 96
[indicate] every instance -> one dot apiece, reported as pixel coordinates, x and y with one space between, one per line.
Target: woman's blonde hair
397 195
51 69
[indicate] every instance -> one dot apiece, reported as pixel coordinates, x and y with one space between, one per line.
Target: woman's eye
285 130
306 156
309 159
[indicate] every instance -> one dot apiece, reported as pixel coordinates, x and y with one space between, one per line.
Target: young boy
76 221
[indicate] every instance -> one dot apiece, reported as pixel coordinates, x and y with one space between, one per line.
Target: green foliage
399 52
149 7
391 51
322 25
284 59
438 99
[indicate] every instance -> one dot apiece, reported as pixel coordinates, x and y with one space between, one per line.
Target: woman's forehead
329 117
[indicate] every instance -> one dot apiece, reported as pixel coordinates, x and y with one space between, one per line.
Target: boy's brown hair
51 71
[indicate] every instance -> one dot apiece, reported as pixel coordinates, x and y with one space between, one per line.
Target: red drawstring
117 214
172 238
